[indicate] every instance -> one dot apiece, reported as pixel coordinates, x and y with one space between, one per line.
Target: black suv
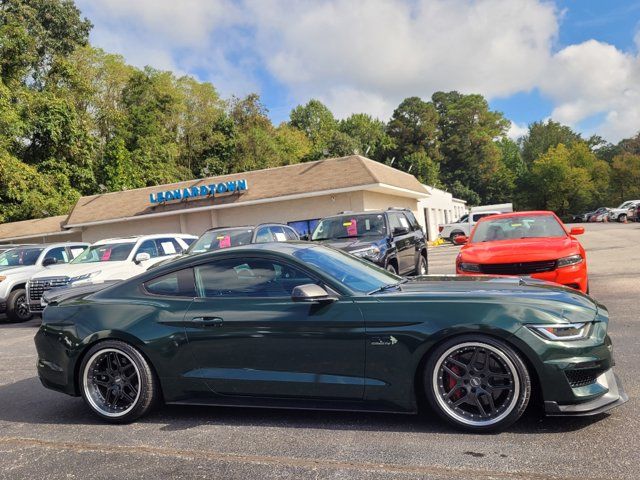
389 238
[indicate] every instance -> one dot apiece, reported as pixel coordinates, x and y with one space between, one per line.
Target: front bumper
614 397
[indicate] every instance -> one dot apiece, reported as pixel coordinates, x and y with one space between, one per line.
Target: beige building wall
381 201
67 237
170 224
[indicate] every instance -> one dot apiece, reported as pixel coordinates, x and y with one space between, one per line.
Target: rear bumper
614 397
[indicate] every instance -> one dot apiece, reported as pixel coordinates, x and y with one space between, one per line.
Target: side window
59 253
76 250
248 277
174 284
398 220
412 220
148 246
278 233
264 235
291 234
168 246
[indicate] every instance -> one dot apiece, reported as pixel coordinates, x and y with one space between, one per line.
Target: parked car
623 211
301 325
19 264
109 259
598 215
534 244
9 246
391 239
465 224
225 237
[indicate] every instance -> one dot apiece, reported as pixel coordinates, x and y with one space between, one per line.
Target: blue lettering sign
213 189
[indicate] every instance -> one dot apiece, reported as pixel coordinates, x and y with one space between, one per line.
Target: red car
532 244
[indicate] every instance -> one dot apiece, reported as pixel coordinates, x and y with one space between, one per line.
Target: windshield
626 204
358 275
108 252
350 226
19 257
521 226
217 239
462 219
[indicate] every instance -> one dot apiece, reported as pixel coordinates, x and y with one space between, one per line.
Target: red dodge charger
532 244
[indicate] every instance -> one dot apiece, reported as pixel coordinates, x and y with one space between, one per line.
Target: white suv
108 260
624 211
463 226
19 264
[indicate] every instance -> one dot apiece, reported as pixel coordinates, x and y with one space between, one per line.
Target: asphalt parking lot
44 434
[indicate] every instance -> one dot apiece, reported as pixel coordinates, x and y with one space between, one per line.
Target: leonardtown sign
212 190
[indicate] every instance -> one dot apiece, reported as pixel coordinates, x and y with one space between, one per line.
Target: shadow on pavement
27 401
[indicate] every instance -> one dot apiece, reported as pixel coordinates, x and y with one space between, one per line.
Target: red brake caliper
452 382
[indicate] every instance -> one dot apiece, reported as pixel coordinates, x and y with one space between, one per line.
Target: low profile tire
477 383
423 266
17 308
391 268
117 382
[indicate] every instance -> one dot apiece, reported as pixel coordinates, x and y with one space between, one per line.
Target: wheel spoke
451 372
457 362
480 407
461 400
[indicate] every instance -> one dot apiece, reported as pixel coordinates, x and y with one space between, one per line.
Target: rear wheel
117 382
477 383
17 308
391 268
454 235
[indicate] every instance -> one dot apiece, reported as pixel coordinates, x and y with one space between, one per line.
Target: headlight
85 276
562 332
469 267
369 252
571 260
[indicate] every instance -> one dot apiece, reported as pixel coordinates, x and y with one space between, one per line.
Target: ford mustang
306 326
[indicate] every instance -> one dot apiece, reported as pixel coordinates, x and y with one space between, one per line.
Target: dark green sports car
306 326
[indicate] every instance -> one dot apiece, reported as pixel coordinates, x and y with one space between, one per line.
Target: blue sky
575 61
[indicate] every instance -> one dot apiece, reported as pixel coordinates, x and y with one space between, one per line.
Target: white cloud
516 131
368 56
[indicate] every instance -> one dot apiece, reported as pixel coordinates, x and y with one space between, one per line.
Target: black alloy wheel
17 306
477 383
117 383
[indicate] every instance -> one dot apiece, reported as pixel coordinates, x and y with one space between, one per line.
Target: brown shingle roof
35 227
329 174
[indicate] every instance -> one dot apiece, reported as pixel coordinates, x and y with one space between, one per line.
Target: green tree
369 134
625 177
544 135
318 124
413 127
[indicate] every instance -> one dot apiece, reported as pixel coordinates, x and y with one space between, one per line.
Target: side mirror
576 231
310 293
142 257
460 239
49 261
400 231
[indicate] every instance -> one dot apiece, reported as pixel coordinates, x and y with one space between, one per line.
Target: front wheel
622 218
477 383
117 382
17 308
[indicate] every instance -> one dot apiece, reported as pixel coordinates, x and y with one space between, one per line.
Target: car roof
135 238
246 227
517 214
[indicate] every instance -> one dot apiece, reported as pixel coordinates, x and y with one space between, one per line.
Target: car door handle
208 321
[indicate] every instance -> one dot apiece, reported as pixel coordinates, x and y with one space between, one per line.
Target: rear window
222 238
174 284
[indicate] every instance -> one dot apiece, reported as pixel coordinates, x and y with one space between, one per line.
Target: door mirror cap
49 261
142 257
310 293
576 231
460 239
400 231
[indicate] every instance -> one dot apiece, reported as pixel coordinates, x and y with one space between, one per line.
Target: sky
575 61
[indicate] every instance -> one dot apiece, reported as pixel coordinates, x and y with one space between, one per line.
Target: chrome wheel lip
446 408
87 385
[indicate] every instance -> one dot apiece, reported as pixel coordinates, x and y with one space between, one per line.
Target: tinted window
244 277
291 234
264 235
352 225
478 216
175 284
277 232
510 228
20 256
412 220
150 247
59 254
398 220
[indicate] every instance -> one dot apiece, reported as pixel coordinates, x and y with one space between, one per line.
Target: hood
520 250
535 294
21 270
350 244
74 270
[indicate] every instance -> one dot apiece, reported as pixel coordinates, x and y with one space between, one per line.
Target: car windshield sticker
224 242
76 251
168 248
352 227
106 255
367 225
404 223
280 237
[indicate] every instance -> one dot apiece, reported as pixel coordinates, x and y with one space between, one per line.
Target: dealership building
298 194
